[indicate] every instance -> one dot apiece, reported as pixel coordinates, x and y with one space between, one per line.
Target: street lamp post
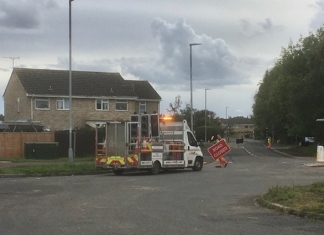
205 113
226 126
191 108
70 85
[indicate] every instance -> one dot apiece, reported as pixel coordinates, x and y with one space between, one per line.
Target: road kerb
288 210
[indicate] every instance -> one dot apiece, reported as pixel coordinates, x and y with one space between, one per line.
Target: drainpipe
31 109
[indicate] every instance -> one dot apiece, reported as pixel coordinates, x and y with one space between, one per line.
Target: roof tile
84 83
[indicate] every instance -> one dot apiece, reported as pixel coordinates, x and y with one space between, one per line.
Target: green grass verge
52 169
305 201
24 160
309 151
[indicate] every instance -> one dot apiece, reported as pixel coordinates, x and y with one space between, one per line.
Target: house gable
15 101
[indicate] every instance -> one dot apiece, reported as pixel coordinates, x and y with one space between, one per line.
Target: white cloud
250 29
150 40
214 64
318 19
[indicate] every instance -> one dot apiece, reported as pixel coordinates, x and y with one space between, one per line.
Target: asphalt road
213 201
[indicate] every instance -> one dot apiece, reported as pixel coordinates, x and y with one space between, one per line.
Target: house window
102 104
63 104
142 107
42 103
121 105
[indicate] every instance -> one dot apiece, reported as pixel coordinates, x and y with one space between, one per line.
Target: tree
175 107
289 97
213 124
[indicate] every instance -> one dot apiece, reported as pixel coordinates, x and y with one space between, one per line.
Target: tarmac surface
207 158
213 201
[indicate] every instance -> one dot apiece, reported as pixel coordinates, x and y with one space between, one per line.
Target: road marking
249 152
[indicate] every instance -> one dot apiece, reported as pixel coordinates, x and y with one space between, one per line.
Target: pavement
313 164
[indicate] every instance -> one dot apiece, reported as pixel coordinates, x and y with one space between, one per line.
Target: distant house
42 95
239 126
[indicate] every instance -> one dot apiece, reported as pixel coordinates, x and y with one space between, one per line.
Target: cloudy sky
149 40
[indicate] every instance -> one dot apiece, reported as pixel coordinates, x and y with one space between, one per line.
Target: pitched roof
144 90
89 84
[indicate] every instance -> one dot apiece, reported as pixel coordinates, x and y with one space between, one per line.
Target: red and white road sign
219 149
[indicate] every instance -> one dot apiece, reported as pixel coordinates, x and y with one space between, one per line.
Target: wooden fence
12 143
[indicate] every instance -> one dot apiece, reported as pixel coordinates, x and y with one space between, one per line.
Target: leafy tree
288 101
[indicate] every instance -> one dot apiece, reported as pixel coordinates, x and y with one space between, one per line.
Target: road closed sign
219 149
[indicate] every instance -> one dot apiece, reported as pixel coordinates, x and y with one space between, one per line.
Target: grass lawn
305 201
24 160
52 169
309 151
59 166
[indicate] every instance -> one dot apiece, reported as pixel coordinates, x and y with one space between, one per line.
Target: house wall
14 110
239 130
151 107
83 110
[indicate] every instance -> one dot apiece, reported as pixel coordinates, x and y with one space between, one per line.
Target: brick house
42 95
238 127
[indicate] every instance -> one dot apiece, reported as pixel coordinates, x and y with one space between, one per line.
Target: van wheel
155 169
118 171
198 164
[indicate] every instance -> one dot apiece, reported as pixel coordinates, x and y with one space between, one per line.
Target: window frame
102 104
64 100
42 100
121 102
142 103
